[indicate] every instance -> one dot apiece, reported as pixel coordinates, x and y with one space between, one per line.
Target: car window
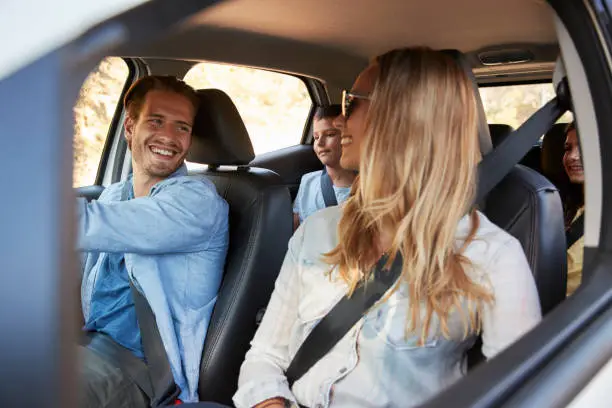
93 114
514 104
273 106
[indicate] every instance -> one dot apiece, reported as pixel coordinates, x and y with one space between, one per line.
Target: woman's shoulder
489 243
320 230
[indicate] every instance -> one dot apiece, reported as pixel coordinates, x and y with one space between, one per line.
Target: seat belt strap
496 165
164 390
327 189
575 231
345 314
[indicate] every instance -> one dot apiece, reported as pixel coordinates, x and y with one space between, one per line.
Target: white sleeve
516 308
262 375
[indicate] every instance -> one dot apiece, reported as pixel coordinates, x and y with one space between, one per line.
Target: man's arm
178 218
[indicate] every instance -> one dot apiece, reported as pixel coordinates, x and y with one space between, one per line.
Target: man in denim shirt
164 230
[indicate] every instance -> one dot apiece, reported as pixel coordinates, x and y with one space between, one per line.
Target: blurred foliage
512 105
93 114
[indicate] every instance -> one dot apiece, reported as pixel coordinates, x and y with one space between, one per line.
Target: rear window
273 106
514 104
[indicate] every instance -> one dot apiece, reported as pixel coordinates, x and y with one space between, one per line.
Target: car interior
325 45
327 50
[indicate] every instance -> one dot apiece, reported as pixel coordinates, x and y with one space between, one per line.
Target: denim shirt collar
128 187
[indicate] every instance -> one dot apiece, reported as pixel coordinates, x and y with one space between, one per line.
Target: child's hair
330 111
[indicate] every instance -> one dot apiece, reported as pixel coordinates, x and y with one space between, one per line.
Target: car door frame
37 316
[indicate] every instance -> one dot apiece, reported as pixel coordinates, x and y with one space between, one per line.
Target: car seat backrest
499 132
261 224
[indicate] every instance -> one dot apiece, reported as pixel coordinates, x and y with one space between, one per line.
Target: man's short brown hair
136 95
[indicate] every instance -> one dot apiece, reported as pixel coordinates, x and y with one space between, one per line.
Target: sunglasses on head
348 102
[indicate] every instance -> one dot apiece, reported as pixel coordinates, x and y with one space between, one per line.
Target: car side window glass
273 106
93 115
514 104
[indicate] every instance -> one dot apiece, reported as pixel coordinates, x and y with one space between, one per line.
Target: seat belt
344 315
327 189
575 231
491 170
165 391
162 391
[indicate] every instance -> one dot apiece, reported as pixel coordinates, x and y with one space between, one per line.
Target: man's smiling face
160 136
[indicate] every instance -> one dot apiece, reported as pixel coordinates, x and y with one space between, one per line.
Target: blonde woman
410 128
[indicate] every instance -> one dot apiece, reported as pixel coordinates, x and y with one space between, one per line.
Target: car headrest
219 135
553 149
483 127
499 132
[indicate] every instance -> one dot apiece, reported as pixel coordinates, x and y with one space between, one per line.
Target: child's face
327 142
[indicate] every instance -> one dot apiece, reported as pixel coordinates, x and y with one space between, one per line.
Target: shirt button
343 370
319 406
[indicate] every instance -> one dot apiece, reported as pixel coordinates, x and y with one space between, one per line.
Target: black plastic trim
512 83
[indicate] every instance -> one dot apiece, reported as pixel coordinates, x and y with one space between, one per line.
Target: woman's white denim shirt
376 364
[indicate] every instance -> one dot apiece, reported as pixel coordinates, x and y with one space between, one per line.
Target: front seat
499 132
261 224
528 206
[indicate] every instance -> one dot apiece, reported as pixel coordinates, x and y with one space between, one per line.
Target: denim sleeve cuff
253 393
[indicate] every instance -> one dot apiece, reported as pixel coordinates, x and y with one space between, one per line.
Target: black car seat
529 207
499 132
261 224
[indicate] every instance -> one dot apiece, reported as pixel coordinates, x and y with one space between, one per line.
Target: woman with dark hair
574 208
311 196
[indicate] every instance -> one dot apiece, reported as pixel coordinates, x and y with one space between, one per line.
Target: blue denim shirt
309 198
112 308
175 241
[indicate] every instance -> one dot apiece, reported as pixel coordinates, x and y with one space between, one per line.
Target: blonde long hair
417 178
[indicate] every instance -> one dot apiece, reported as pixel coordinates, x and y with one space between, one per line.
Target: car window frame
115 128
